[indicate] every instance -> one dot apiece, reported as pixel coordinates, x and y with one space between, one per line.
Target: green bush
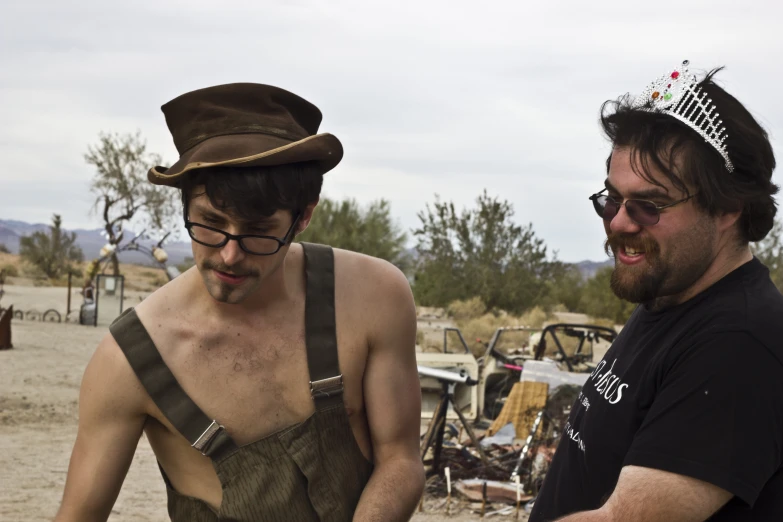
481 252
54 253
369 230
598 300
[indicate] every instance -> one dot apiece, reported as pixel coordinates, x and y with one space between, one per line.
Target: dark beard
630 283
663 280
645 287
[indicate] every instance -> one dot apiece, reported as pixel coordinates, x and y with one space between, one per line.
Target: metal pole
441 429
97 295
68 312
122 292
464 421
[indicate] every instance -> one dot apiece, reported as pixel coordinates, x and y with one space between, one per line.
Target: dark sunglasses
641 212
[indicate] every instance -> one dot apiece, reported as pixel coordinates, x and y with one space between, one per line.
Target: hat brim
251 150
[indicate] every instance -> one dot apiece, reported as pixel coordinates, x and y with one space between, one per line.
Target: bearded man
683 418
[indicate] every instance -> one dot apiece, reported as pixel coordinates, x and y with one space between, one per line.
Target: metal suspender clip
202 443
326 387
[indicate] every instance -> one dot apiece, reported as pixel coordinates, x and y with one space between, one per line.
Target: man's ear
728 219
307 215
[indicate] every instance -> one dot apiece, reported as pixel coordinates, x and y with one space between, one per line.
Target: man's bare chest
255 382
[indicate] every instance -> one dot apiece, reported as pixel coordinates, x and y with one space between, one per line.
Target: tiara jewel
678 94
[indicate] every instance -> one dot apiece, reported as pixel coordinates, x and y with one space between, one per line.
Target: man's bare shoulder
110 377
377 293
174 295
371 277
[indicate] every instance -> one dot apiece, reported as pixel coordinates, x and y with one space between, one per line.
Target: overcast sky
427 97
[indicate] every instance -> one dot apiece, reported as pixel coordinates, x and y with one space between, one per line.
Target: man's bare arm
392 397
111 420
657 496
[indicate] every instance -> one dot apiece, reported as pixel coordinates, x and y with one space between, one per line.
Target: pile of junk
490 424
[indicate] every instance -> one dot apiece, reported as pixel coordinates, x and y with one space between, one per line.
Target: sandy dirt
40 299
39 389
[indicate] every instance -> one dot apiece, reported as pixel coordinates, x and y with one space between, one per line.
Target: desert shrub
478 331
10 270
432 342
32 272
559 308
369 230
481 252
599 301
535 317
54 253
462 310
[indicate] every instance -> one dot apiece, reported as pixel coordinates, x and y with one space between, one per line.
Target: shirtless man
274 381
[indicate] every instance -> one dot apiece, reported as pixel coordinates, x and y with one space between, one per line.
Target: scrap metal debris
496 491
509 453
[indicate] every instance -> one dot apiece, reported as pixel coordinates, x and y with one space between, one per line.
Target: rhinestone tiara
678 94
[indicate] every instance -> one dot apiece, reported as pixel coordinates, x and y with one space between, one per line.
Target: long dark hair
657 140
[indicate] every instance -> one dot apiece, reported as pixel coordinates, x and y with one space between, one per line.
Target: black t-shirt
697 390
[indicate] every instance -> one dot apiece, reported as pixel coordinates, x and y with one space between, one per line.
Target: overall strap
326 381
203 433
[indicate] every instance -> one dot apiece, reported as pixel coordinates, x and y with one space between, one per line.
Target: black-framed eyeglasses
251 243
641 211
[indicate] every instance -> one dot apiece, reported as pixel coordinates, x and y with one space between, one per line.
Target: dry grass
137 277
10 270
478 326
467 309
600 321
8 259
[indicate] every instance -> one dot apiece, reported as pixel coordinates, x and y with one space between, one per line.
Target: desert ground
39 389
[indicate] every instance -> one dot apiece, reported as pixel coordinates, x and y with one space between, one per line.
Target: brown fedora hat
244 124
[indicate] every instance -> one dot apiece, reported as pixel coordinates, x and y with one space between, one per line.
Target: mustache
220 267
615 241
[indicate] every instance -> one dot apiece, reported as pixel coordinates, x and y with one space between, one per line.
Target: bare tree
122 192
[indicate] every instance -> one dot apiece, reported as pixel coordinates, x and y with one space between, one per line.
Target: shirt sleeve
717 416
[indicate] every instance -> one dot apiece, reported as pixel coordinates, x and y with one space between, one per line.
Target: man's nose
232 253
622 223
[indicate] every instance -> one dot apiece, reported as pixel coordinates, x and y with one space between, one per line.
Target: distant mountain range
91 242
589 268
